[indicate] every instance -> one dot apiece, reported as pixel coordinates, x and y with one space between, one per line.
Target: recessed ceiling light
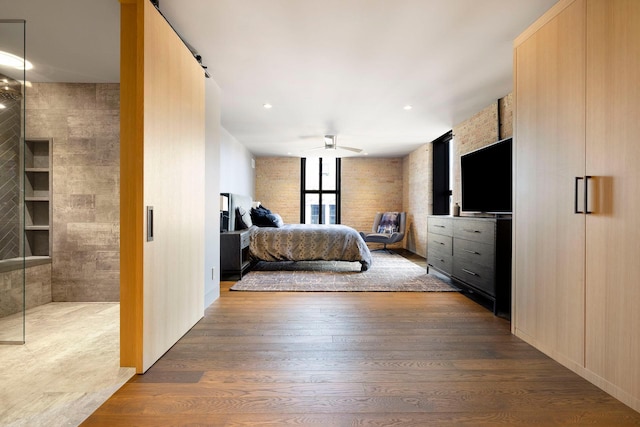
408 107
2 106
267 106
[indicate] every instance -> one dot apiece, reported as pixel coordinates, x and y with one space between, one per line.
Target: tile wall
83 120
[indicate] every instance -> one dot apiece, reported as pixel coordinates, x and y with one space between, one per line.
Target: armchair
388 228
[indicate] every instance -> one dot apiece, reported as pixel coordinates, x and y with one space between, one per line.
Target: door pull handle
586 194
575 195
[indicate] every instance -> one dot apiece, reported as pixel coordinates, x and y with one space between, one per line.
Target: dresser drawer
441 261
474 264
479 278
443 244
440 225
477 253
476 230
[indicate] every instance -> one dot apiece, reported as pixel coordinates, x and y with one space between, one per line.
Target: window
441 178
315 214
320 184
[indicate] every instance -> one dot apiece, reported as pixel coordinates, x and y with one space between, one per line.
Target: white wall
237 175
212 155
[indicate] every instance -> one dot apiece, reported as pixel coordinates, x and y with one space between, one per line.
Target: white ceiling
345 67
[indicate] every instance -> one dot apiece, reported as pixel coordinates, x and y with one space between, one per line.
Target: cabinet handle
440 243
149 223
586 194
469 272
471 252
575 195
439 226
471 231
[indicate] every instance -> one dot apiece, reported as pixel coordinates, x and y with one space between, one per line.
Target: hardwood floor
342 359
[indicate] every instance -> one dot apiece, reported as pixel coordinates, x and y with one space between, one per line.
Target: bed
298 242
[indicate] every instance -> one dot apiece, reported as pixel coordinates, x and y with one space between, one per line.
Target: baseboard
623 396
211 296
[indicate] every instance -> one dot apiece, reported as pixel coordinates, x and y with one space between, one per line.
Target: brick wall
370 185
278 186
417 197
478 131
83 120
506 116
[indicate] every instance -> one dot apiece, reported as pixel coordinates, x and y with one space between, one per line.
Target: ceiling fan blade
355 150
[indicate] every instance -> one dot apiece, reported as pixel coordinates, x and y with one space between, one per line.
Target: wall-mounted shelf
37 196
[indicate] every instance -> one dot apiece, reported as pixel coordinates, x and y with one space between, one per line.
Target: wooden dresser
476 253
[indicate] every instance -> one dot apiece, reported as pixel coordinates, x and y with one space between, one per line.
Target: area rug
389 272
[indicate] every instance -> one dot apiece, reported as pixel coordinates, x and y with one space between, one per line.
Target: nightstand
234 253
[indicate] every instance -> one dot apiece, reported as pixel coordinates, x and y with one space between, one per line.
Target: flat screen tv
486 176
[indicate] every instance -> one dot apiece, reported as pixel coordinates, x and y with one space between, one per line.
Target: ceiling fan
331 144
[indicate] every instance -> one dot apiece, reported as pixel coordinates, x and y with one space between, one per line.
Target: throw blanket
309 242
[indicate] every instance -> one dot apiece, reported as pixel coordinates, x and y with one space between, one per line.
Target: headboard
235 201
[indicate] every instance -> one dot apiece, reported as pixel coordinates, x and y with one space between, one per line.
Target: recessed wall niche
37 196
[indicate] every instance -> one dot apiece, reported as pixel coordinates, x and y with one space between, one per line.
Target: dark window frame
441 174
320 191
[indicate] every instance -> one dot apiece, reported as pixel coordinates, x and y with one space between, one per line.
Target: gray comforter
309 242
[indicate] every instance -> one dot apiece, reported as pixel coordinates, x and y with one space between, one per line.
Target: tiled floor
69 365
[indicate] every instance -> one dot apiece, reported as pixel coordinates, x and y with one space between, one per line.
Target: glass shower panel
12 127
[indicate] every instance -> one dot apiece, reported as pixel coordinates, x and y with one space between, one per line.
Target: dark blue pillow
263 217
276 220
259 216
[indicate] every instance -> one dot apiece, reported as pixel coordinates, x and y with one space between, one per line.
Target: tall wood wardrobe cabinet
162 191
576 252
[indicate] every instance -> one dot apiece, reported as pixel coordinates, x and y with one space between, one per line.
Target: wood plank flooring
347 359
